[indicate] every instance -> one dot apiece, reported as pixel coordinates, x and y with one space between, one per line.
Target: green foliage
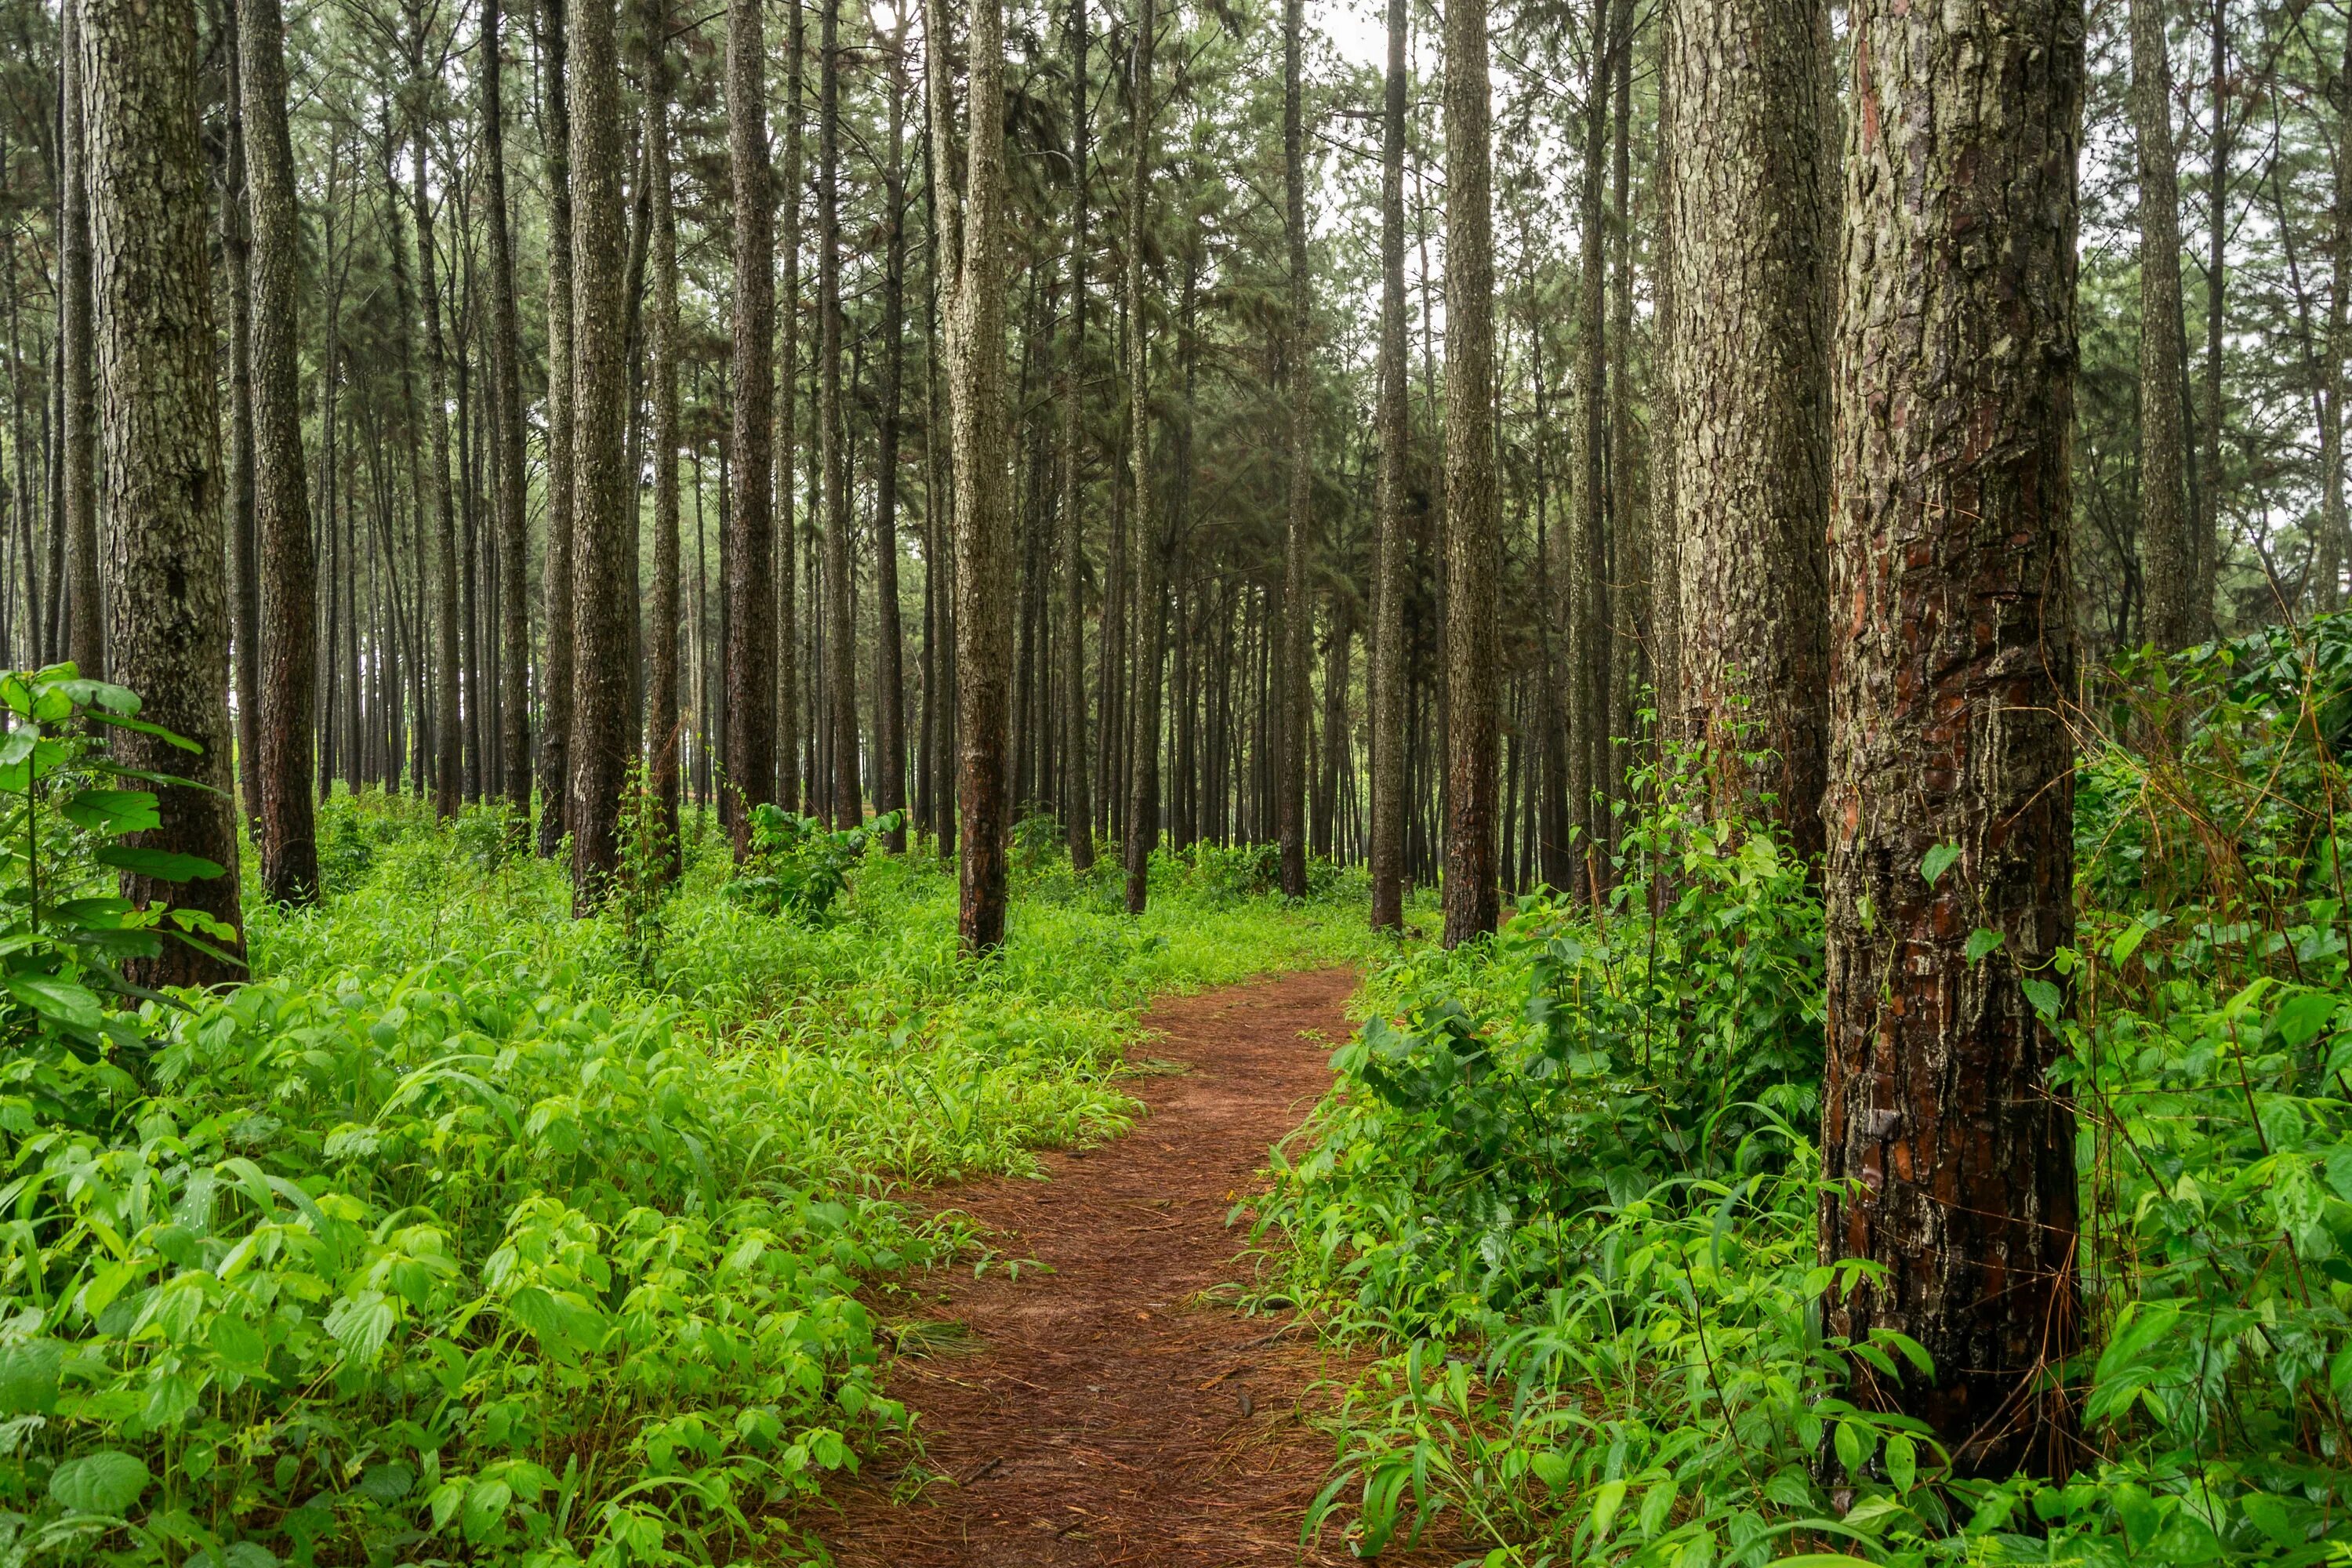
64 933
799 867
1568 1180
459 1233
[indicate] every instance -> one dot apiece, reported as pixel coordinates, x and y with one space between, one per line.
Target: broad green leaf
1902 1461
2044 996
28 1377
1981 941
60 999
1937 861
106 1482
161 863
113 810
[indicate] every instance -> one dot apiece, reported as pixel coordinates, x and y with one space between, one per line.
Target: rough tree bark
1150 623
600 678
889 652
448 732
1387 682
662 715
2167 545
505 427
1949 1158
555 664
847 806
78 428
1753 220
1077 798
750 622
1299 615
1473 523
153 335
244 545
968 250
289 674
787 760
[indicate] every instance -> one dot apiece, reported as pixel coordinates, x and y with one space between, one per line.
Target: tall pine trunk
1753 219
2168 544
751 655
1952 655
1388 808
78 409
290 847
846 805
1473 523
968 249
662 346
601 676
152 333
555 659
890 653
1150 622
505 425
244 545
1297 612
1077 796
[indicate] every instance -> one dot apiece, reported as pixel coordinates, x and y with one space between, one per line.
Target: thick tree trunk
1143 769
1948 1159
601 677
1388 672
969 252
1750 285
889 652
1473 524
2168 542
847 806
1077 797
505 425
662 346
555 663
751 628
290 847
152 320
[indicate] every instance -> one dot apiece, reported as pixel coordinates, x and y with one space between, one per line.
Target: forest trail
1102 1413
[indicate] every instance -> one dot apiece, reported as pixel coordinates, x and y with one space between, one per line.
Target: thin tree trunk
152 333
289 849
1143 775
2217 222
847 806
1472 526
245 557
662 344
600 740
787 762
1297 612
555 662
751 647
1953 656
78 430
506 423
889 654
969 252
2168 549
448 732
1386 851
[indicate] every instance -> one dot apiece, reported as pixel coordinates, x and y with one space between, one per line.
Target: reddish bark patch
1104 1412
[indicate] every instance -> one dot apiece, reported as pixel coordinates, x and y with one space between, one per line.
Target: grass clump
469 1231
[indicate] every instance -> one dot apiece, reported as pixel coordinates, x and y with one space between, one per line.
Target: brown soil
1100 1411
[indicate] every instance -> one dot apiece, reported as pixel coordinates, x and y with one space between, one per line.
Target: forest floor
1108 1408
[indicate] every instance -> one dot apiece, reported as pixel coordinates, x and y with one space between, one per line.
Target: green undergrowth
467 1232
1567 1191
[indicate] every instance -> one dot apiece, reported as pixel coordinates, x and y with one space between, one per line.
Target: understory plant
1568 1184
463 1232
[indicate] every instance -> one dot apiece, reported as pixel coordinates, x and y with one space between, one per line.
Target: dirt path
1101 1413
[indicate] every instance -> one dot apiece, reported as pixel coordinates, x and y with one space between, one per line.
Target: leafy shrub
799 867
1568 1179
